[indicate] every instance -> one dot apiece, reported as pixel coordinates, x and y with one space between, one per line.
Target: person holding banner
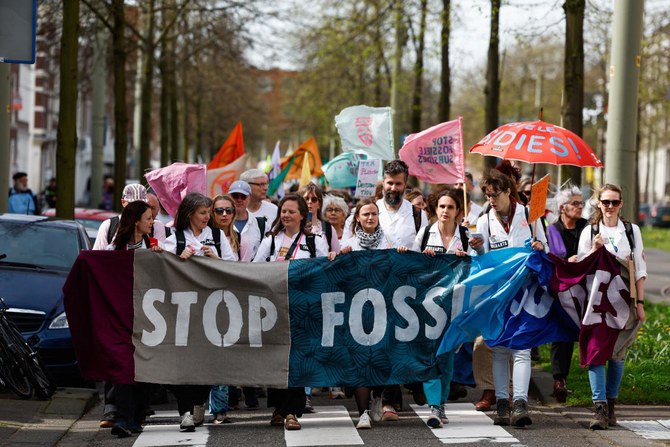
623 240
290 238
444 236
314 198
506 224
222 216
563 237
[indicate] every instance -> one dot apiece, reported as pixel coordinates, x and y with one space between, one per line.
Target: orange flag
308 147
232 149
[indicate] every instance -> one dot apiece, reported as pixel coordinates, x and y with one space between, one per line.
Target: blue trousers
437 390
604 385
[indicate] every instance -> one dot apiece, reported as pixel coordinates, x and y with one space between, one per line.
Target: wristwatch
640 302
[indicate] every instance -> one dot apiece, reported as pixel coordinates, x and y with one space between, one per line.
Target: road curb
51 421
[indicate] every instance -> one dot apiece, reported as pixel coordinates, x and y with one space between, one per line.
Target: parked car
643 214
90 218
660 215
36 255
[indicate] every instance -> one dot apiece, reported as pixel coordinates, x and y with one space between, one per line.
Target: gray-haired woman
335 211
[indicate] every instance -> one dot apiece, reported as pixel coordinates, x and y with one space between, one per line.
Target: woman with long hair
622 239
134 228
289 238
314 198
222 216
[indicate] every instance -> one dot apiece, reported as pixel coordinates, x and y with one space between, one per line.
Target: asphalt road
657 284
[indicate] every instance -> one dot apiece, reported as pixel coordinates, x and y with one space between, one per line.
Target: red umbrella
537 142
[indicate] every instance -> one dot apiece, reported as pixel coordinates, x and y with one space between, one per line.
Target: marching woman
314 198
506 225
336 211
193 237
132 400
624 241
222 216
368 235
444 236
289 239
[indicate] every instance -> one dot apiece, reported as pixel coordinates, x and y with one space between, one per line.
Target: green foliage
646 378
658 238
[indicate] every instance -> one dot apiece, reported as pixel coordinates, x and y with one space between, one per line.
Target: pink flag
172 183
435 155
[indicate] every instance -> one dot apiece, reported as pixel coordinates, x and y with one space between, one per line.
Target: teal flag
342 171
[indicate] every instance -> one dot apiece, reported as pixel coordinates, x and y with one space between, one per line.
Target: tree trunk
445 76
573 75
66 137
164 107
147 91
492 90
418 72
120 109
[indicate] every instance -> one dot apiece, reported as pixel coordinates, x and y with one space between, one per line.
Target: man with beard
21 199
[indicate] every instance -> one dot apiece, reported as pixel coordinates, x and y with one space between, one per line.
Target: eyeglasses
527 193
312 199
614 203
493 196
262 185
333 210
238 196
221 211
577 204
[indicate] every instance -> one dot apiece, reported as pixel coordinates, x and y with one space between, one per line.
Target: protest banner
435 155
538 202
366 182
366 130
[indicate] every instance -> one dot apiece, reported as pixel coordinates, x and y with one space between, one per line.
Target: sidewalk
42 423
542 386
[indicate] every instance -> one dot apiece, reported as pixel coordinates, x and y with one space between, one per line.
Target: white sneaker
198 415
364 420
376 411
443 414
187 422
434 420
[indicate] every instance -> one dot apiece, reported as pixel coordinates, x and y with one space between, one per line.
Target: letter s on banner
401 306
155 337
436 311
258 325
331 318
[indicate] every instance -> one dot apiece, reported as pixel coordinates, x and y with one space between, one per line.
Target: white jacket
434 241
352 242
618 245
520 231
205 238
301 250
252 234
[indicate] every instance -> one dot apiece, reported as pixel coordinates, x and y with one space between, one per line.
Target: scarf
369 241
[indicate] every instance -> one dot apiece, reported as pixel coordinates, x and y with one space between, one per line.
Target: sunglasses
238 196
577 204
312 199
614 203
221 211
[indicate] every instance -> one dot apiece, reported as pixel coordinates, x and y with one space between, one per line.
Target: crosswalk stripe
466 425
330 425
167 435
649 429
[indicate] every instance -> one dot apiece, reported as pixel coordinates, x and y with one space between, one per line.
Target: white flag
366 130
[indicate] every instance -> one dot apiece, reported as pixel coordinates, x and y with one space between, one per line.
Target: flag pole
532 181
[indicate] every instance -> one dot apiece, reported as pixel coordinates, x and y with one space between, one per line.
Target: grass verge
658 238
646 378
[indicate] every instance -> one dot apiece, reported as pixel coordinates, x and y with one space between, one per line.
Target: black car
37 254
660 215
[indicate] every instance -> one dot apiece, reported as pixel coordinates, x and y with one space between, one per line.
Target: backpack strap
151 234
113 226
181 241
416 213
168 232
147 241
327 229
261 225
629 234
311 245
464 237
216 235
424 239
272 249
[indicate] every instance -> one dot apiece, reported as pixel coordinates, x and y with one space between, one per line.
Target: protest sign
366 182
538 202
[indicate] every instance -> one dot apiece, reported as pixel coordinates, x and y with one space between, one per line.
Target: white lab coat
267 210
301 250
205 238
252 234
435 240
519 231
619 246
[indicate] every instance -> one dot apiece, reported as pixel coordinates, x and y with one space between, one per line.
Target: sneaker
389 413
186 423
434 420
136 428
336 393
121 430
108 420
520 416
308 405
443 414
198 415
502 412
364 420
221 418
376 411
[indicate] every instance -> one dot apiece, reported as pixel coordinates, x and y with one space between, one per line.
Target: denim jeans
606 385
521 372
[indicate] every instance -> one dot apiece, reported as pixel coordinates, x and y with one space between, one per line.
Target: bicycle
21 369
